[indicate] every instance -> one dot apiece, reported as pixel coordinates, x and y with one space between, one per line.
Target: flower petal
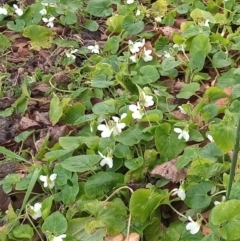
53 176
177 130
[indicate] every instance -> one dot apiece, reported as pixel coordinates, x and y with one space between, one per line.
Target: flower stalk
234 160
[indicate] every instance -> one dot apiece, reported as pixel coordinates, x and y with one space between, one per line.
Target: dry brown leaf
133 237
169 31
222 102
42 87
41 117
205 230
169 171
118 237
26 123
56 132
178 86
179 115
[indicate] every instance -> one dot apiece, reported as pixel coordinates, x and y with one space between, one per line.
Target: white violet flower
182 110
106 130
94 49
106 160
210 138
71 54
182 134
18 10
147 55
166 54
206 23
133 58
35 211
117 127
49 21
112 127
48 181
137 111
130 1
180 192
138 13
148 100
193 226
135 47
43 11
158 19
3 11
58 238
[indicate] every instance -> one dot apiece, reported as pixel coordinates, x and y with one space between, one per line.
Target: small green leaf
102 183
4 42
99 8
40 36
236 91
167 143
56 110
170 63
188 90
111 215
226 215
91 25
24 231
55 224
134 164
144 201
54 155
46 207
81 163
132 136
76 228
18 26
197 197
131 26
220 60
224 133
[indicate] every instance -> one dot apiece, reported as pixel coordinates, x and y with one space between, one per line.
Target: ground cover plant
119 120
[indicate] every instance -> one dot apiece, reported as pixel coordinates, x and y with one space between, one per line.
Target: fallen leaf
169 171
41 117
118 237
26 123
133 237
205 230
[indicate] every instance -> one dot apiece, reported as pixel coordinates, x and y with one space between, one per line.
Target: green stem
234 160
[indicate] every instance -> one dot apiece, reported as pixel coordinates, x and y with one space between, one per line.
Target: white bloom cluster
71 54
48 181
114 126
94 48
35 211
3 11
182 133
18 10
193 226
49 21
180 192
106 160
135 48
138 109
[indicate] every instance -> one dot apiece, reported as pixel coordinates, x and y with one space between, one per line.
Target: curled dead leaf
133 237
169 171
